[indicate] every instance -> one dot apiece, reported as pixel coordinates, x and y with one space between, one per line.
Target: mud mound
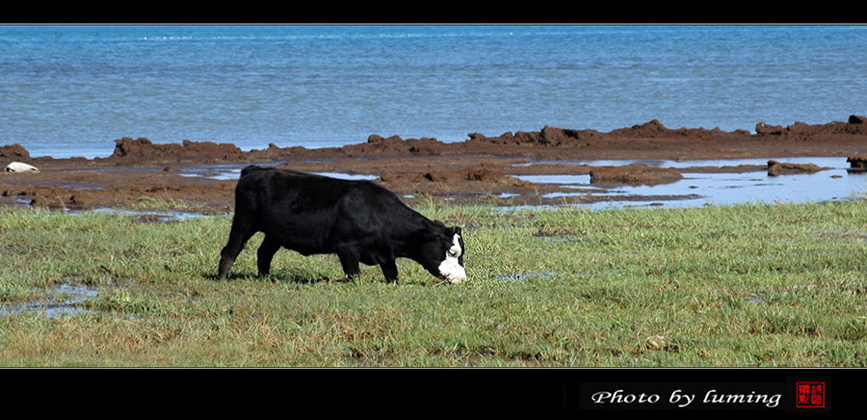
52 197
142 149
75 189
855 125
650 129
552 136
548 136
395 146
654 129
648 140
634 174
477 180
857 163
654 140
13 152
776 168
479 174
55 197
469 174
376 146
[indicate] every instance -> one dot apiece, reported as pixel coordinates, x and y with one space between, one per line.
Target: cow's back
267 189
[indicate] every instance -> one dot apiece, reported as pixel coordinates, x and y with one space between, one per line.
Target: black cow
360 221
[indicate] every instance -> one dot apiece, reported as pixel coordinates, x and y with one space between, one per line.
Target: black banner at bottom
546 392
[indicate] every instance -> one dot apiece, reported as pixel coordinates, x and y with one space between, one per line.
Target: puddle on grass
512 277
141 216
757 298
701 189
16 201
64 300
150 216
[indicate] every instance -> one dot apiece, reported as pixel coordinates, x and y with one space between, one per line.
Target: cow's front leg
389 270
349 260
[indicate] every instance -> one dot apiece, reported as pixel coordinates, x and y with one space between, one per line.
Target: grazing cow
360 221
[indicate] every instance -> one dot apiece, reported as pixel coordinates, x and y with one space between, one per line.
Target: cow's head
452 267
443 254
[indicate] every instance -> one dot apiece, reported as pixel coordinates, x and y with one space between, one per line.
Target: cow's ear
457 230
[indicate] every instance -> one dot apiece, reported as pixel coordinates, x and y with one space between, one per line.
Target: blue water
71 90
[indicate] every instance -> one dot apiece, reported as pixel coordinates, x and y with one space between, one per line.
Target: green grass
751 285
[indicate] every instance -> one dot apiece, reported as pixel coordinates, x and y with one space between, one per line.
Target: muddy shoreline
481 168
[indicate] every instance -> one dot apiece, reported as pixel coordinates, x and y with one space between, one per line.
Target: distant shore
481 166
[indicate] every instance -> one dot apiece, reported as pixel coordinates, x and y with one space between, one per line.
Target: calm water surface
71 90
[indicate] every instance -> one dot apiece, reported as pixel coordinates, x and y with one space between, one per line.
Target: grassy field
751 285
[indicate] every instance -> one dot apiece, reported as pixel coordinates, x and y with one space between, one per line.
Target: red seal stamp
810 395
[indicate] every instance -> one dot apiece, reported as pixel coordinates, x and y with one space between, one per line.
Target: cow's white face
451 268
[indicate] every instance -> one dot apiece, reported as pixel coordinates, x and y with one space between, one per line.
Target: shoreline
479 168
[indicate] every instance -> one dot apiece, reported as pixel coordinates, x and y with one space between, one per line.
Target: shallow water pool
65 300
701 188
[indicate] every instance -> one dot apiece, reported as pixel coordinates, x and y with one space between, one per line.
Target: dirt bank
481 167
634 174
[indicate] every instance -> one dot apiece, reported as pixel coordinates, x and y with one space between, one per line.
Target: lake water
71 90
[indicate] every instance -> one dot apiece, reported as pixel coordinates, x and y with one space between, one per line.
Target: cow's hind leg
266 252
240 234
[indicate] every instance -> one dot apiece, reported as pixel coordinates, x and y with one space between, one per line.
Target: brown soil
479 168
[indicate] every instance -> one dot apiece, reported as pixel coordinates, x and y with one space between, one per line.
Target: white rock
20 167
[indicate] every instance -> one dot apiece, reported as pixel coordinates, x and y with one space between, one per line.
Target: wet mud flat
646 164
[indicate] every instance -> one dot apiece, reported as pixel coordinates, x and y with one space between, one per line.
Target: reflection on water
576 180
727 189
347 176
64 300
699 189
697 163
221 172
